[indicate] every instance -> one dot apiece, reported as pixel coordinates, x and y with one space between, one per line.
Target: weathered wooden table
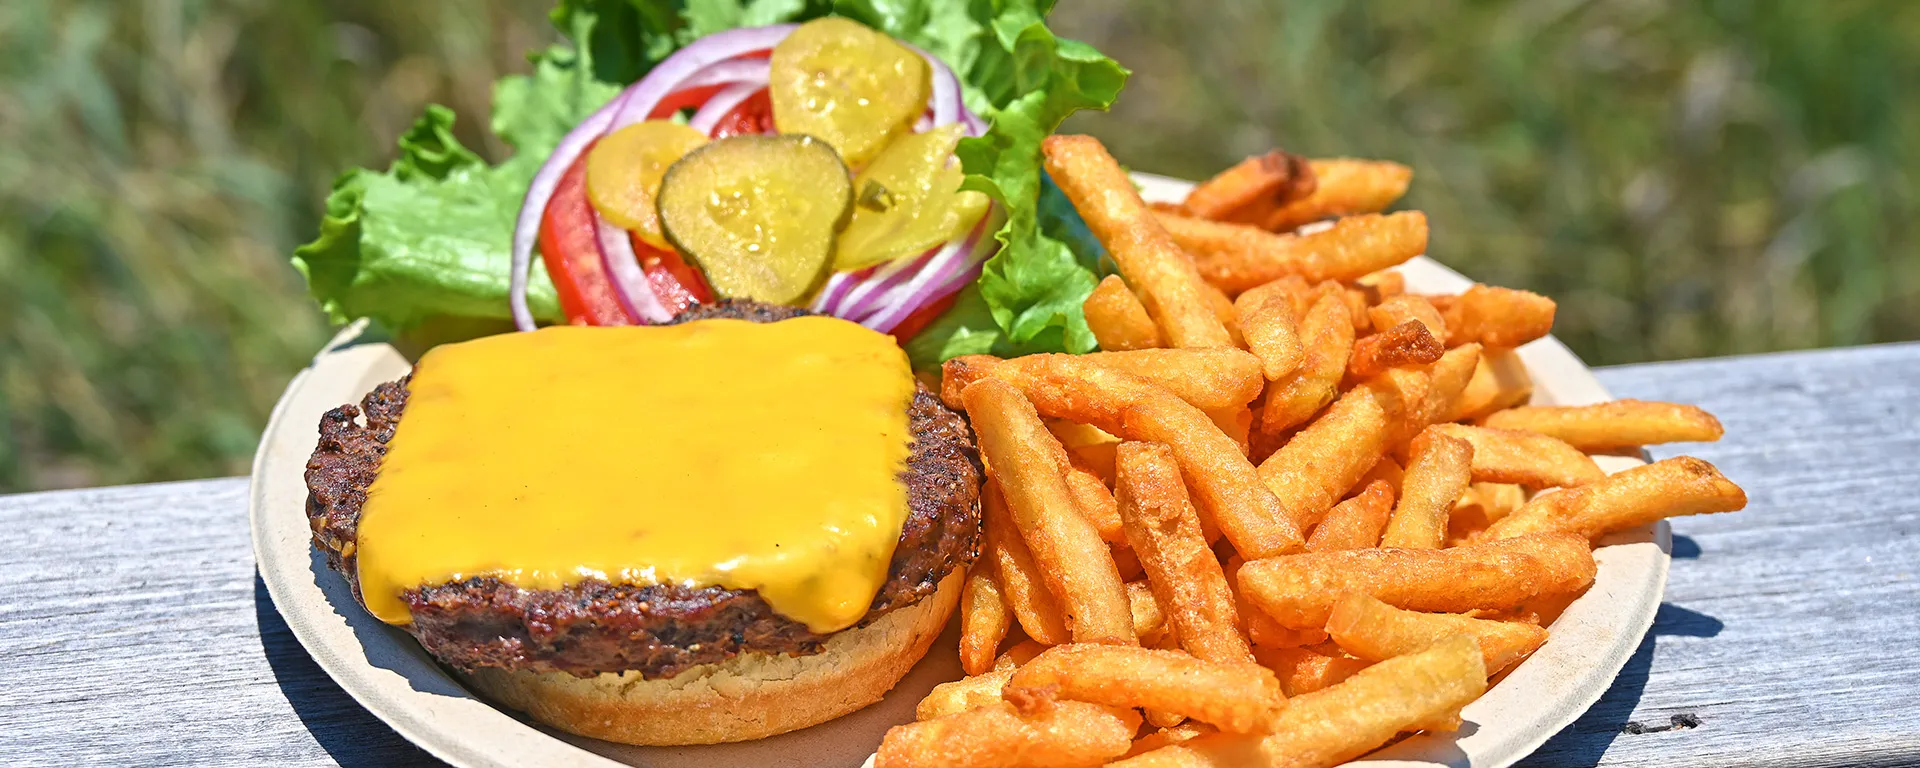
133 630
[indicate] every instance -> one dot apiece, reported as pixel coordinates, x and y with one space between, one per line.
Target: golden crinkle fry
1667 488
1344 187
1172 290
1347 720
1061 733
1117 318
1236 697
1373 630
1612 425
1236 257
1029 464
1293 510
1299 591
1251 190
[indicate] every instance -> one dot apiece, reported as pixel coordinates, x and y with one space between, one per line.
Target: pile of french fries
1292 511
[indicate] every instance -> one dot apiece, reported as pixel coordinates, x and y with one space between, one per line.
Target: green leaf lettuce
430 237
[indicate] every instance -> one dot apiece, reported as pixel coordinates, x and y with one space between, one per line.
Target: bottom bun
750 696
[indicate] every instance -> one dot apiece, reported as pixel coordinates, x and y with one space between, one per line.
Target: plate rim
283 574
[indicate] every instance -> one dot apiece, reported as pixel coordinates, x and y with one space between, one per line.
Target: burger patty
594 626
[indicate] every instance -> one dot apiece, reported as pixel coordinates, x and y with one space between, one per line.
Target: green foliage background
1688 179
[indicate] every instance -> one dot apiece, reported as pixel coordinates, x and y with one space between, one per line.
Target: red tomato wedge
572 257
913 324
677 283
751 117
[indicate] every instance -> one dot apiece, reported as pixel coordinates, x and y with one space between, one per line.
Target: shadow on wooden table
1584 743
350 734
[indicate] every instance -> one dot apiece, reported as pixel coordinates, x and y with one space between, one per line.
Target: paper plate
387 672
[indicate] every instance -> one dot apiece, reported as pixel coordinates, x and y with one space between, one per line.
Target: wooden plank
135 631
1788 631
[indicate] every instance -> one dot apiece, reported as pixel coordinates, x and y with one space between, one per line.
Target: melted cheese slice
715 453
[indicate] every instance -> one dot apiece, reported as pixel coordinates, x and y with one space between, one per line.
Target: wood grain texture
1791 630
135 632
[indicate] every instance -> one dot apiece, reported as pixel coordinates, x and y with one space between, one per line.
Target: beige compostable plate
390 675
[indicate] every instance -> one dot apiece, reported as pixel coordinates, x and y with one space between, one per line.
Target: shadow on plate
385 647
350 734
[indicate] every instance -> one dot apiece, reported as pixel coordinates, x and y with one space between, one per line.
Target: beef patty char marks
595 626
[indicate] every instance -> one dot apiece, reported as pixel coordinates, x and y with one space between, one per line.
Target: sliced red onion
726 73
952 260
638 99
881 278
629 280
830 294
717 108
700 54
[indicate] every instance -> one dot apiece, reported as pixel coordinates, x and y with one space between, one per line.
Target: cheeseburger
749 521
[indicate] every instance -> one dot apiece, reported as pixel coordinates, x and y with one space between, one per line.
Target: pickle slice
854 87
624 171
907 201
758 213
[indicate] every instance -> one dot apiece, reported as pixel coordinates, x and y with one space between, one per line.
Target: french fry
1300 590
984 618
1236 422
1373 630
1498 318
1499 380
1450 375
1164 530
1223 310
1094 501
1437 474
1223 481
1347 720
1252 189
1087 445
1236 697
1061 733
1612 425
1169 285
1384 285
1117 318
1022 585
1394 310
1481 506
1405 345
1344 187
979 690
1026 460
1326 333
1149 619
1304 670
1236 257
1264 631
1316 467
1355 523
1682 485
1387 470
1176 734
1527 458
1267 321
1206 378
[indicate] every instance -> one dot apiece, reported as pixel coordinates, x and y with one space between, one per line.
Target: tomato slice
572 257
913 324
678 284
752 117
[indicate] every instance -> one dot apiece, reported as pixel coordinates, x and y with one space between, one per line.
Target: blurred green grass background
1688 179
